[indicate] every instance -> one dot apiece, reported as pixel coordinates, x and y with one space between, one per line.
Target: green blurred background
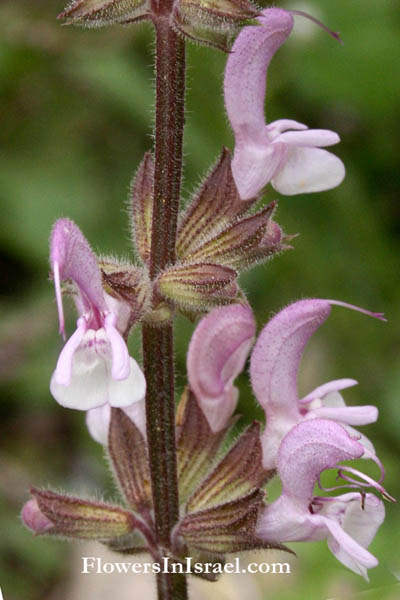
76 110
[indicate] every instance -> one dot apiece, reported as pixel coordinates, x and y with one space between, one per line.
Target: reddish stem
158 352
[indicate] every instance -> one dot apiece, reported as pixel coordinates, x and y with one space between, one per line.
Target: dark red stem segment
170 90
158 351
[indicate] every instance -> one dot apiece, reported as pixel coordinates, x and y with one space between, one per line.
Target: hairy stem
158 352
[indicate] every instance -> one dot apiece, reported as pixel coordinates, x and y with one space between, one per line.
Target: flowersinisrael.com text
92 564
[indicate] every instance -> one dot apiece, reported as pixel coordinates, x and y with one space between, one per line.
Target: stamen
333 488
375 315
366 481
60 309
333 34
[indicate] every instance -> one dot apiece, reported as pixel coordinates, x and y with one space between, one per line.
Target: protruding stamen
334 34
366 481
60 309
375 315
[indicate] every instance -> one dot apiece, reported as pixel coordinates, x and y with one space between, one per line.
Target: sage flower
217 354
286 153
94 368
274 367
348 522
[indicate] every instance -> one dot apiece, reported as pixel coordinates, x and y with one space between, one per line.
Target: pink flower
284 152
274 366
94 368
217 354
33 518
348 522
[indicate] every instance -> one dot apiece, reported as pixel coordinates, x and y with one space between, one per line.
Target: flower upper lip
274 367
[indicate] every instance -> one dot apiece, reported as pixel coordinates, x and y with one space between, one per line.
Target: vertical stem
158 352
170 90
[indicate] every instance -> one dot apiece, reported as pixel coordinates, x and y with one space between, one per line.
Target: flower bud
212 22
97 13
243 243
34 519
57 514
129 284
198 286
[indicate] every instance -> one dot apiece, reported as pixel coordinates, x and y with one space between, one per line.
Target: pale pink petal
62 374
236 361
219 409
307 450
246 70
216 355
254 164
98 423
331 400
120 309
308 170
362 520
137 413
352 415
281 125
361 439
332 386
278 425
214 341
122 393
70 250
309 137
98 420
120 355
348 550
89 382
277 354
282 521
